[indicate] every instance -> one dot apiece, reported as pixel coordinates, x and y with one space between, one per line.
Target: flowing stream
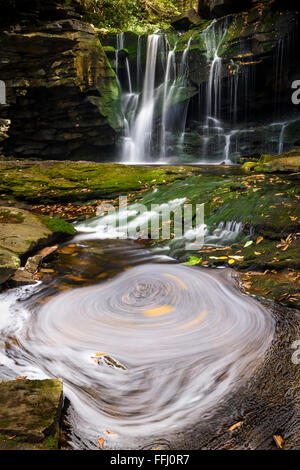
143 351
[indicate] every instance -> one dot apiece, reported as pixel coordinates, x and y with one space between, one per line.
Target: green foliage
193 261
58 225
129 14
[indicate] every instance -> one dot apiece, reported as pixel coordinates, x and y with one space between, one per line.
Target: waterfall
214 36
142 110
120 46
141 132
170 73
159 117
281 137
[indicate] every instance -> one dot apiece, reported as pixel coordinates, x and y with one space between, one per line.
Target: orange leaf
259 240
278 441
101 442
235 426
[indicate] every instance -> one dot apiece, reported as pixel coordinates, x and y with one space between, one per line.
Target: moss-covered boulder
9 263
21 232
288 162
48 182
29 414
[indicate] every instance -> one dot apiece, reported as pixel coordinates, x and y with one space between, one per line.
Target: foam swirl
167 342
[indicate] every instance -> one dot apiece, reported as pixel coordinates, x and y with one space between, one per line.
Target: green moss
51 442
58 225
46 182
7 217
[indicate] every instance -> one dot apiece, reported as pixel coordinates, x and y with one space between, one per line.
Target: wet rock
249 48
29 414
288 162
22 278
20 233
9 263
285 165
33 263
186 20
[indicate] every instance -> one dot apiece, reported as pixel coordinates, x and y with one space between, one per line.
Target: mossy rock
249 166
285 164
9 263
29 414
48 182
288 162
21 232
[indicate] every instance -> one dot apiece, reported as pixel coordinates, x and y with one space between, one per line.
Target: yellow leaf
231 261
278 440
156 312
259 240
235 426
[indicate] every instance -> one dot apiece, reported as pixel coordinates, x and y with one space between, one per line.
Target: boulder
9 263
21 232
30 413
288 162
22 278
186 20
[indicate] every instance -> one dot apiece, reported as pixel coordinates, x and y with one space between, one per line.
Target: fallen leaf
248 243
231 261
259 240
101 442
22 377
158 311
235 426
278 441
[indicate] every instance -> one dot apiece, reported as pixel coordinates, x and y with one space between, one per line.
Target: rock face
186 20
29 414
217 8
20 233
251 45
62 94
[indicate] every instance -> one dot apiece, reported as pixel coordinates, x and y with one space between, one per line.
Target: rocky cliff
62 94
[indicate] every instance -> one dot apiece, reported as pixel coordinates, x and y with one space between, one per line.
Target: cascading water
164 87
159 124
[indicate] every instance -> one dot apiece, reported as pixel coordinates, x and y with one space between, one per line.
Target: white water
175 340
156 107
139 138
